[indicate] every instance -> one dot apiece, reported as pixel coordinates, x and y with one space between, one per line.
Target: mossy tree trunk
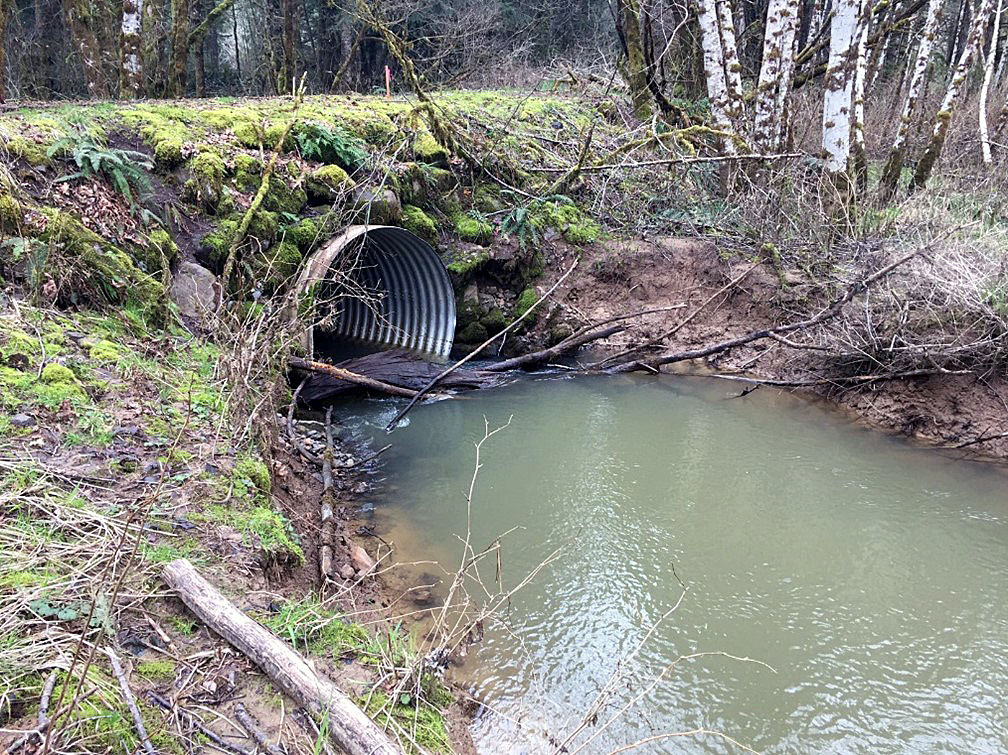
633 65
80 22
945 110
131 67
151 36
3 29
180 47
289 50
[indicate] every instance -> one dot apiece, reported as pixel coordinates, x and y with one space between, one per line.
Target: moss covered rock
248 173
159 254
248 134
526 301
281 197
169 151
29 151
304 233
57 373
205 186
474 332
419 222
329 183
427 149
464 263
99 271
422 185
569 219
377 206
475 230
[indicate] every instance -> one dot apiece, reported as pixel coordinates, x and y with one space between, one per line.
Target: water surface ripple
869 574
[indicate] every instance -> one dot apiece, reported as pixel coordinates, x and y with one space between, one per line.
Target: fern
519 223
330 144
124 169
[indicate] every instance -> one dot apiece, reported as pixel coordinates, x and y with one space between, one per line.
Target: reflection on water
869 574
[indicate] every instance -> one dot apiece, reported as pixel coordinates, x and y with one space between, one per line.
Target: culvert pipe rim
408 300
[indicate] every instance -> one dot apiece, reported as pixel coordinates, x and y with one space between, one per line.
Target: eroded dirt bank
723 296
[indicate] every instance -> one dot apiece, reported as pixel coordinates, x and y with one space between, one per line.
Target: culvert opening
378 288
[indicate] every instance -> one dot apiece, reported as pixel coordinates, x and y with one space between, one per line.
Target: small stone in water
361 561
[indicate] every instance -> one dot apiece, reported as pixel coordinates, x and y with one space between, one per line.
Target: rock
378 206
347 571
193 290
471 294
23 420
422 597
361 561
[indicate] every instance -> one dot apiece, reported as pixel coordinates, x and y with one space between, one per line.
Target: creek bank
619 277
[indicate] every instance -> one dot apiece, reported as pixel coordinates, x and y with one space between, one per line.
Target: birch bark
985 88
857 127
897 152
777 43
713 58
945 110
131 71
836 123
732 66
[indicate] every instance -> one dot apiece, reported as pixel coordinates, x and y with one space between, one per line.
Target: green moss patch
473 229
419 222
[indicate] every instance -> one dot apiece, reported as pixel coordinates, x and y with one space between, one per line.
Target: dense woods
736 74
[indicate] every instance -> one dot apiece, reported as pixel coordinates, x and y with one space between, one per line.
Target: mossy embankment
118 442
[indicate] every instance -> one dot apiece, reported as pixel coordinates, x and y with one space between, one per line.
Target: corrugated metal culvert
381 287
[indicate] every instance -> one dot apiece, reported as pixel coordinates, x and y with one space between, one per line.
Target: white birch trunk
985 88
713 56
860 72
732 66
778 42
839 78
786 78
944 115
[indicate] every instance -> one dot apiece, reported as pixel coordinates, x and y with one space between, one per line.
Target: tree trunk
778 57
860 160
131 70
732 64
839 77
3 36
713 57
80 21
985 88
632 62
349 728
289 61
181 10
944 116
894 163
153 61
237 46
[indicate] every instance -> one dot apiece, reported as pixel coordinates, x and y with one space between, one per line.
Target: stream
870 574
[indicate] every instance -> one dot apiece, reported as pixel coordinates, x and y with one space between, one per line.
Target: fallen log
399 369
349 727
583 336
341 373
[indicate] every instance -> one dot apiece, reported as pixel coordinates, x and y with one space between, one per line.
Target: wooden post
349 727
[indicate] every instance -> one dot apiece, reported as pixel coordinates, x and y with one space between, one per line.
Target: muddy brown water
870 575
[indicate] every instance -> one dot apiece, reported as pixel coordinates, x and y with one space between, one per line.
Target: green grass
308 625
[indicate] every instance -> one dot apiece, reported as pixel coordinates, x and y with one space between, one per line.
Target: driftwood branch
349 726
583 336
127 694
246 720
194 721
475 352
326 524
838 380
352 377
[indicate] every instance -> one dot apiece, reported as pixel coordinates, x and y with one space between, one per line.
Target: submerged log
397 372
